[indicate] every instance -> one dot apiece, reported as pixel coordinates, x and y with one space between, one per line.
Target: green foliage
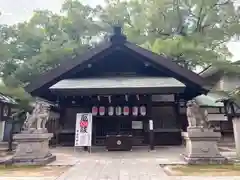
194 33
40 44
19 94
236 94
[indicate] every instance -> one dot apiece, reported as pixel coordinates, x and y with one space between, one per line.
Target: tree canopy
194 33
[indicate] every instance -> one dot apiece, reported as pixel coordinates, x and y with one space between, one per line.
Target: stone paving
115 169
29 178
136 165
162 155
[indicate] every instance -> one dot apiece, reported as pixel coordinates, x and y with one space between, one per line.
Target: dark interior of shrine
167 125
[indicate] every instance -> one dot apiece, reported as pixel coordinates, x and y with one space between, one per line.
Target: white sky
14 11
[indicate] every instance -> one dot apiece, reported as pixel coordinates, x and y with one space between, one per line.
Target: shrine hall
124 86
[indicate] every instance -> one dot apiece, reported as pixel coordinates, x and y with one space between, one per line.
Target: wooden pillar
177 111
150 123
179 121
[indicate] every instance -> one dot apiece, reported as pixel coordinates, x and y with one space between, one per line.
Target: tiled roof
7 99
211 99
121 82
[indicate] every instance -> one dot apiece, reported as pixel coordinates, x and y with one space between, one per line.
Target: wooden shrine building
124 86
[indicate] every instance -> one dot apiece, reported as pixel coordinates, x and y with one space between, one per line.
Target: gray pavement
122 169
115 169
136 165
28 178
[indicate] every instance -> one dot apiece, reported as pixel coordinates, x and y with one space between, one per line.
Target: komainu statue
196 117
36 121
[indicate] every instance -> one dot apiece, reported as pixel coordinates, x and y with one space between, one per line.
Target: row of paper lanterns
118 110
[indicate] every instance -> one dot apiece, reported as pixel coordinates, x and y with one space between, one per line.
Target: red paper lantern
143 110
94 110
110 110
118 110
135 111
101 110
125 111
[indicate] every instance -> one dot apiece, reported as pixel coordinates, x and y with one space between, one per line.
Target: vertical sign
83 132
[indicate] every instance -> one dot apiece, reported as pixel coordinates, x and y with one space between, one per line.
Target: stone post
236 131
232 110
151 136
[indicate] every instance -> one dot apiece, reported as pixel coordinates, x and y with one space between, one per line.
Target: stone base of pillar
33 149
201 147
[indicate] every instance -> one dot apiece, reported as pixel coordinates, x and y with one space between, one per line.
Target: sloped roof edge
117 40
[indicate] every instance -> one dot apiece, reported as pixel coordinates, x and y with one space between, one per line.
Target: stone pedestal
33 149
201 147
